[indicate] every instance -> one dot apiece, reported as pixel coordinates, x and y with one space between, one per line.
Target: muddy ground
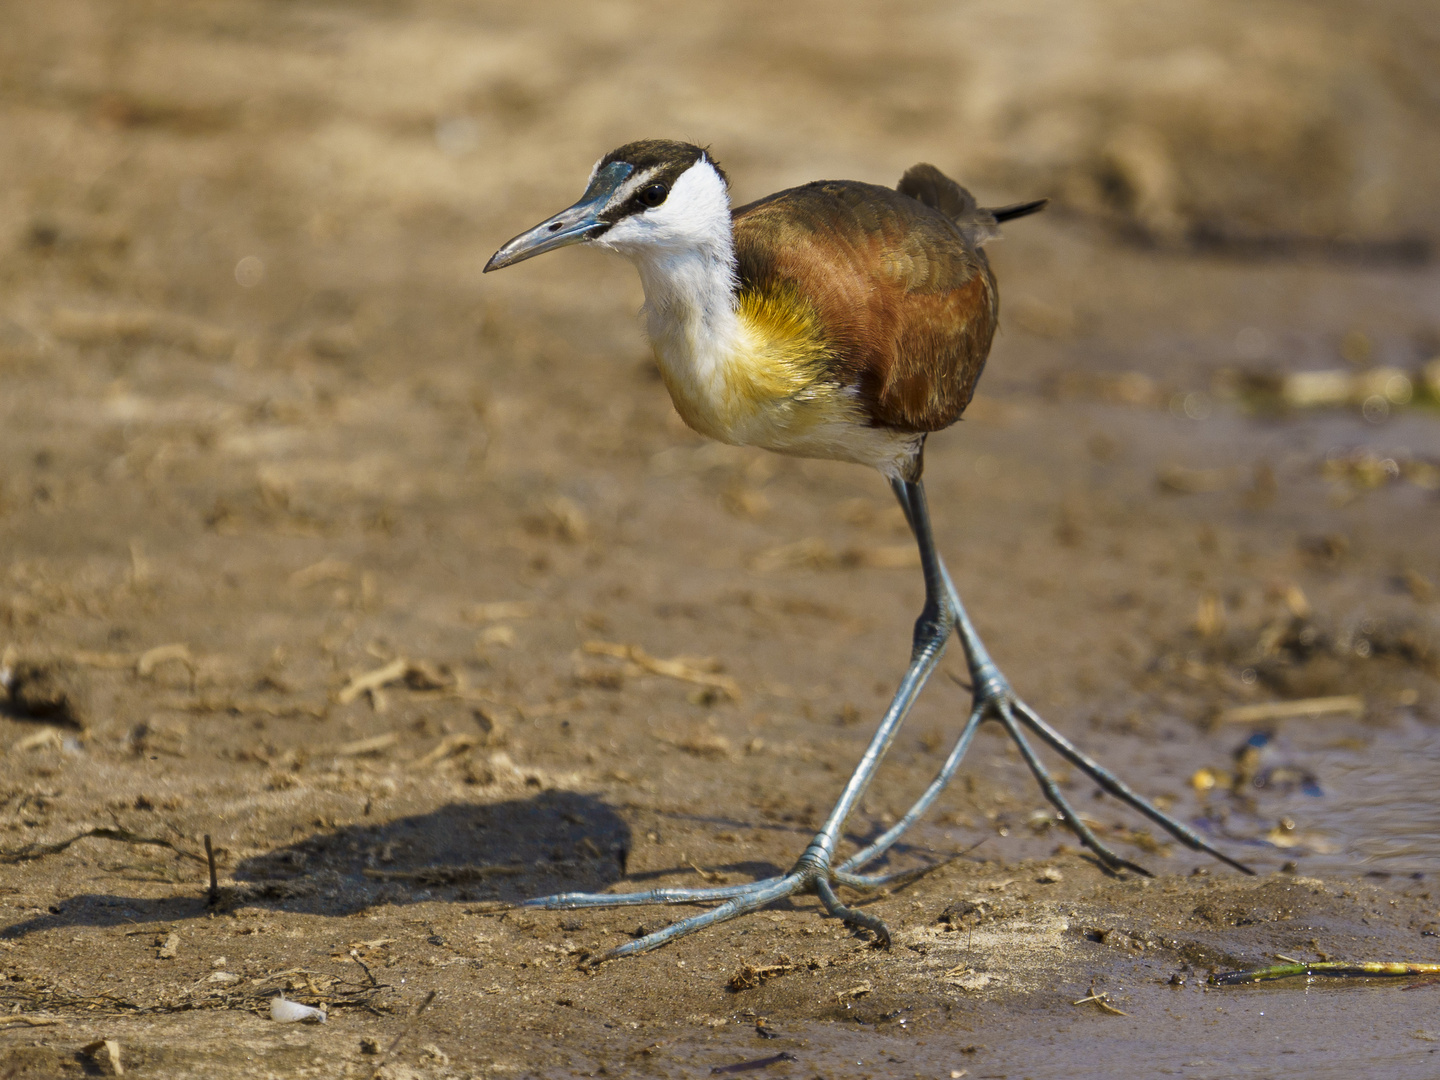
410 591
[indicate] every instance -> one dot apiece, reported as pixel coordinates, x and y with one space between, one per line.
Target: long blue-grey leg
813 868
911 496
887 839
821 850
932 632
992 700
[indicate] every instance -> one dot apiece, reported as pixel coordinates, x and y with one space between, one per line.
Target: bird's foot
994 699
808 876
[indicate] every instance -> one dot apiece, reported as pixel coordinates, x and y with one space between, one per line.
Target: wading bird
835 320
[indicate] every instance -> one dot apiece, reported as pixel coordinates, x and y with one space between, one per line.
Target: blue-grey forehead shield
571 225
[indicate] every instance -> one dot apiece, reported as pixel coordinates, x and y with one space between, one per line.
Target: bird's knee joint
991 686
932 629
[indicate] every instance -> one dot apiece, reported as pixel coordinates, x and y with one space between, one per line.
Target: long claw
852 916
1052 792
1111 783
567 901
867 882
775 889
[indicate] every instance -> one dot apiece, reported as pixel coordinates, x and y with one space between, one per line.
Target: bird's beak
570 226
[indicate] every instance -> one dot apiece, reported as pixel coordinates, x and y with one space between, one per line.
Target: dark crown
665 161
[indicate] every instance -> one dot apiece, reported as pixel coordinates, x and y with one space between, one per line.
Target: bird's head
648 197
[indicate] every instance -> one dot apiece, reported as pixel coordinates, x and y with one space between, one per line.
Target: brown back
906 304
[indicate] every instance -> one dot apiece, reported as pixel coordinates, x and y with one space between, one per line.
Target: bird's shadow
555 841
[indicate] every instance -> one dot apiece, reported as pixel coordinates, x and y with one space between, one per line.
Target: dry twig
1347 704
686 669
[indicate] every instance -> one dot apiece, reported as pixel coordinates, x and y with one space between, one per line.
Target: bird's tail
930 186
1018 210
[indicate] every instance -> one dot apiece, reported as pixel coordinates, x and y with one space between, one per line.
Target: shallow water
1378 807
1334 1029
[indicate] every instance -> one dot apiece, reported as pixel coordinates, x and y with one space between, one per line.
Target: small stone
1049 876
292 1012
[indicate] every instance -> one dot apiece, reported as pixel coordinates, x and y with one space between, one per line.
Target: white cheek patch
696 213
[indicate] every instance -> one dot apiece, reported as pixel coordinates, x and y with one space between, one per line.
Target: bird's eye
653 194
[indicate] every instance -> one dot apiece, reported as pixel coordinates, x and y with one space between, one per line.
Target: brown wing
906 303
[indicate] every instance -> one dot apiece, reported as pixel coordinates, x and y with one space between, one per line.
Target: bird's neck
690 300
685 252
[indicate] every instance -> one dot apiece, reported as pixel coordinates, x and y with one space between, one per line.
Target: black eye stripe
652 195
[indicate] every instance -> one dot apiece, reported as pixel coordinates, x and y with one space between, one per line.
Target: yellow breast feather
784 354
767 383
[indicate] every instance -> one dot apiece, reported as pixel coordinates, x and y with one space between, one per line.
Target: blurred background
308 529
259 407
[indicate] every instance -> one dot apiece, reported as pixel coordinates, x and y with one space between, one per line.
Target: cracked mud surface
410 591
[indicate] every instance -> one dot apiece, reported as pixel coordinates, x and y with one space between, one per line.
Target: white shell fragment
292 1012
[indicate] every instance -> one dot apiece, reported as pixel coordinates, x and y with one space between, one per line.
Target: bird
839 320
